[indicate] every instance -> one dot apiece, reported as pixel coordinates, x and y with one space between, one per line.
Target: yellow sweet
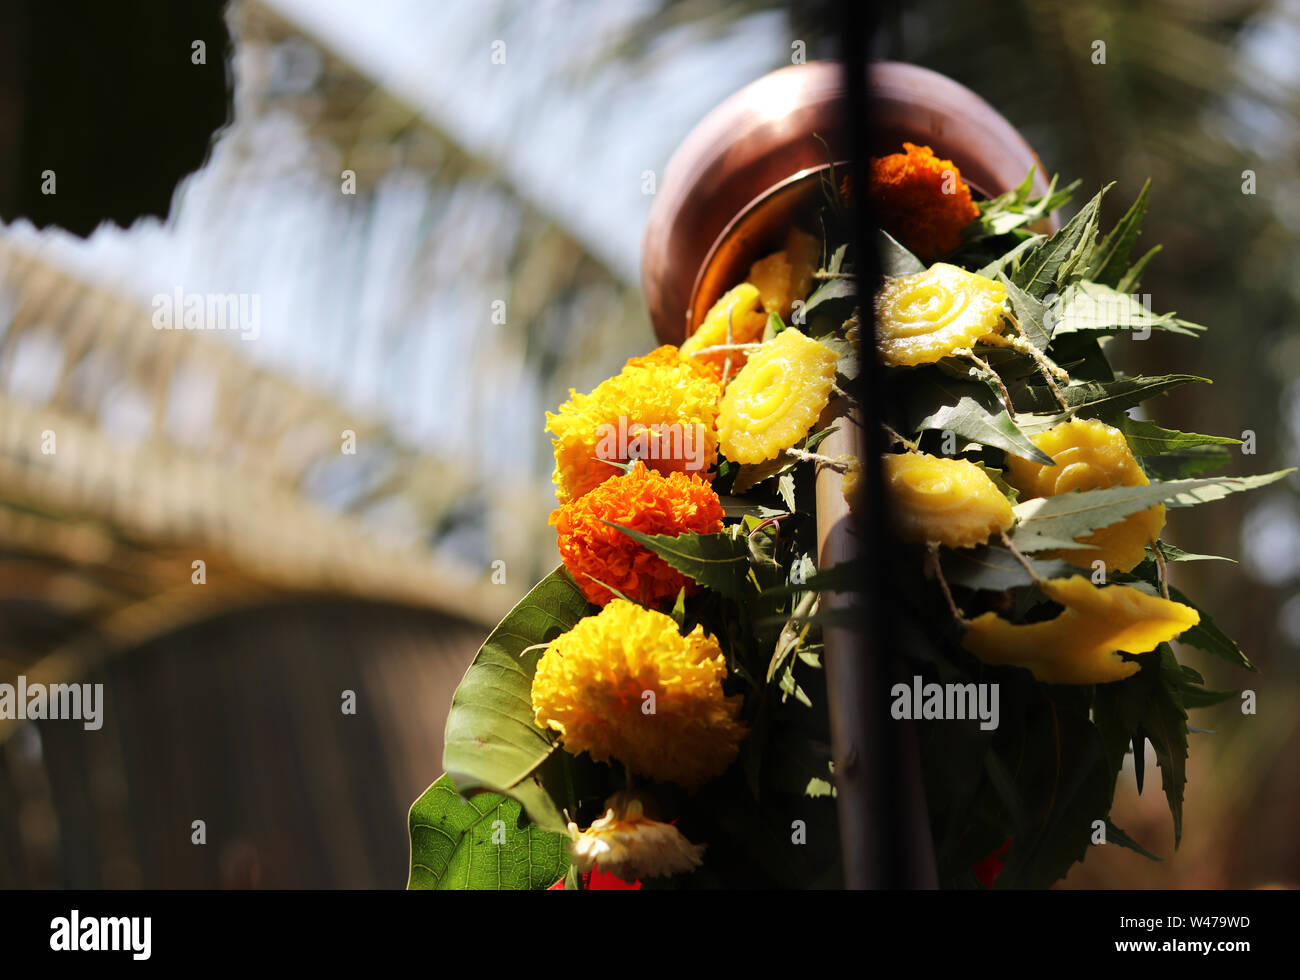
950 501
926 316
747 323
1080 645
1091 455
775 399
786 276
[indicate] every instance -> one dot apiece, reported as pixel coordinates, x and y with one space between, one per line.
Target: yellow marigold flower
627 843
926 316
951 501
1091 455
748 321
775 399
1080 645
661 398
597 683
787 275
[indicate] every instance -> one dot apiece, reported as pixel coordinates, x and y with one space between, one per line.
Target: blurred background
437 209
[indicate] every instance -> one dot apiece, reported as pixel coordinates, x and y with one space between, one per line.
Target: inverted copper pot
756 159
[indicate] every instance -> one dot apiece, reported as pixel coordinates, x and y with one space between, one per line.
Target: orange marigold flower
645 501
921 200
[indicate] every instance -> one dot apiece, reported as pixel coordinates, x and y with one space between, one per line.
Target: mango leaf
1091 306
716 561
1038 409
1063 256
1030 314
491 741
1111 257
895 259
1053 522
970 410
477 843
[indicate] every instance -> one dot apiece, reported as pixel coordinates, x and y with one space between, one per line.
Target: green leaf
1133 277
1207 636
477 843
1111 258
1063 256
970 410
1030 314
1055 522
895 259
1091 306
996 569
1148 439
1174 553
491 740
716 561
1038 409
1165 726
1116 836
1008 260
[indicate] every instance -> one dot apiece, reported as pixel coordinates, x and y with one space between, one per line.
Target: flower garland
655 709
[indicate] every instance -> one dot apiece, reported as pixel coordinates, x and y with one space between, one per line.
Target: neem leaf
1047 522
1039 410
459 843
1111 257
1165 727
1134 275
1207 636
995 569
1066 254
492 741
969 409
1009 259
1090 306
1148 439
895 259
1174 553
716 561
1116 836
1030 314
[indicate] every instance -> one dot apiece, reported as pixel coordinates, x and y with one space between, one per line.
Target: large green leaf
895 259
1207 636
492 742
716 561
1030 314
459 843
1055 522
1148 439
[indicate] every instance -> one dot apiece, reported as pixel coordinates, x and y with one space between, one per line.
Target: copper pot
754 162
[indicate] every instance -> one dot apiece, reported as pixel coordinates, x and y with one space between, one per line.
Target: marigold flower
921 200
626 843
775 399
1091 455
625 684
675 401
748 320
787 275
1080 645
951 501
926 316
645 501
